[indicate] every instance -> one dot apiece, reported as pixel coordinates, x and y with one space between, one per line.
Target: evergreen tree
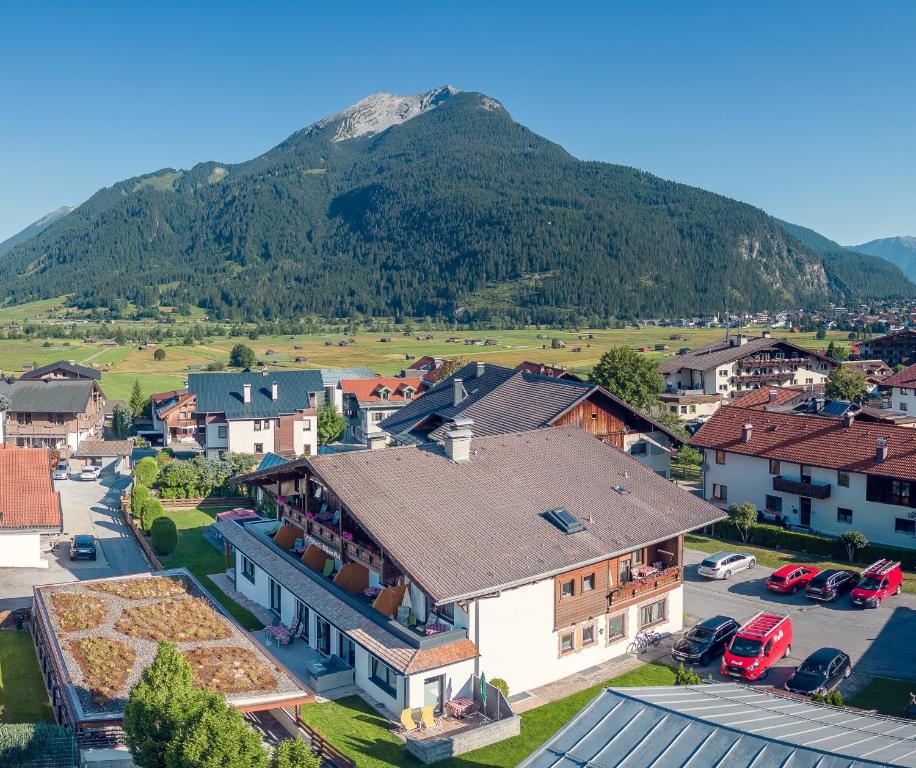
294 753
628 375
122 421
137 400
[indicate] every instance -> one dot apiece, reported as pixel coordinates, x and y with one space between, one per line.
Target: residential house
420 566
734 365
54 413
876 371
689 405
902 390
62 369
367 402
30 508
174 420
543 369
501 400
897 348
425 367
822 473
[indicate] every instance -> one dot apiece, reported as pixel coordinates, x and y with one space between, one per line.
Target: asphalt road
879 641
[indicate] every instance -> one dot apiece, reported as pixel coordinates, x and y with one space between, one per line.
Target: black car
822 671
828 585
705 641
83 545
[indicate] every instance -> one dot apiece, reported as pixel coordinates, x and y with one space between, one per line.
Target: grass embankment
201 558
775 558
355 728
885 695
22 692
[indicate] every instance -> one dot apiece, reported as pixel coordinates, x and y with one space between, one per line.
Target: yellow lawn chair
407 721
428 718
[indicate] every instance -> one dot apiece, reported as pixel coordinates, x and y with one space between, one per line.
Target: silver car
721 565
61 472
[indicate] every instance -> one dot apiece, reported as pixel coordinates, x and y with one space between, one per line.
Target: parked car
705 641
721 565
822 671
90 472
880 580
61 472
758 644
82 545
829 584
791 578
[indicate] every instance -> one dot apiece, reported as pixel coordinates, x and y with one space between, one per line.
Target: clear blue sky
806 109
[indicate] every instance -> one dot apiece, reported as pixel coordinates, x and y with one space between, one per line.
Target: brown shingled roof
722 352
27 496
906 378
761 397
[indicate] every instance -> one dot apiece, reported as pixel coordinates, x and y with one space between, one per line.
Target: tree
163 535
150 511
138 497
120 338
242 356
847 383
821 334
629 376
159 355
294 753
331 424
137 400
837 352
449 366
146 471
122 421
216 736
687 676
158 707
743 516
671 421
689 455
853 541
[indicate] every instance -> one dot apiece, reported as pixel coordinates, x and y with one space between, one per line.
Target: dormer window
384 393
408 393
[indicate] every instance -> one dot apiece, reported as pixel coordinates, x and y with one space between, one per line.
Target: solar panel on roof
835 407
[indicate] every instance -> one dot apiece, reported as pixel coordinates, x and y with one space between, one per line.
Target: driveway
879 641
88 507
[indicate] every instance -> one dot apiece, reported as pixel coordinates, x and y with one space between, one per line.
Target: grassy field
201 558
22 692
354 728
885 695
775 558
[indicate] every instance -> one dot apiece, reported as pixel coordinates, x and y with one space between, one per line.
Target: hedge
164 535
151 511
36 744
775 537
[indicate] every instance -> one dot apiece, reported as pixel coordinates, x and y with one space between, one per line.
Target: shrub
163 535
146 471
151 509
833 698
742 517
501 685
159 354
35 743
686 676
294 753
853 541
139 495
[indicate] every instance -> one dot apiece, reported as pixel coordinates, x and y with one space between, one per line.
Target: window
257 425
302 613
693 409
683 409
637 557
275 597
323 636
720 492
567 642
902 405
720 457
774 466
842 479
222 432
588 583
904 391
306 424
638 449
248 569
774 504
804 472
673 409
383 676
588 635
653 613
903 525
888 491
616 627
346 649
844 515
723 371
259 447
568 589
377 416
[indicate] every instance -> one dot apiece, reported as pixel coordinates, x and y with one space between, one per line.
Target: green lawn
22 691
201 558
355 728
775 558
885 695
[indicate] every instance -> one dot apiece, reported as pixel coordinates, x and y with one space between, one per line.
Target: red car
791 578
758 645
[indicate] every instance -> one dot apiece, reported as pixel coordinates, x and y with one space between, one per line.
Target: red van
763 640
881 579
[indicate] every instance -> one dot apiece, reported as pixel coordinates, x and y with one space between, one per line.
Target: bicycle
642 642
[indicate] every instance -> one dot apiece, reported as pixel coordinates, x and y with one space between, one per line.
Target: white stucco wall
903 399
305 436
21 550
243 436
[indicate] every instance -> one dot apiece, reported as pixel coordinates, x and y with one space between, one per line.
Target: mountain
34 228
897 250
438 205
853 272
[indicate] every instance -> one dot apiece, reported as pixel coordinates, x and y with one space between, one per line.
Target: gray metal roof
65 367
58 396
331 376
727 725
224 392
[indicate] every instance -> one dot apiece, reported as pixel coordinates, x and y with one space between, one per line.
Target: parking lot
879 641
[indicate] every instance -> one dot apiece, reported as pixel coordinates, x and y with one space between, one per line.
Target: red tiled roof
906 378
27 496
760 397
814 440
369 390
544 370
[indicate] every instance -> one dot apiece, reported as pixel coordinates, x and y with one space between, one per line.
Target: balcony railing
799 488
633 589
775 376
770 362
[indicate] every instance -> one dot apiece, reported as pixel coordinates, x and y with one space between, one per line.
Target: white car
90 472
721 565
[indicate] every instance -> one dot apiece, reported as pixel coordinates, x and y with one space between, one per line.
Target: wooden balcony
770 362
646 586
776 376
812 490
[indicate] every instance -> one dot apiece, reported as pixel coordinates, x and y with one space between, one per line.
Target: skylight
564 520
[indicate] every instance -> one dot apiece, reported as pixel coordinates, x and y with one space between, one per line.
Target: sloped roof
65 366
759 398
59 396
546 370
809 439
723 724
368 391
271 460
224 392
722 352
467 528
905 378
103 449
331 376
27 496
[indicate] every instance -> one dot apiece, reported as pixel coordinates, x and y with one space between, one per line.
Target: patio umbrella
483 692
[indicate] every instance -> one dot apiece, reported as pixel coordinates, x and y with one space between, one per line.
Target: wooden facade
595 418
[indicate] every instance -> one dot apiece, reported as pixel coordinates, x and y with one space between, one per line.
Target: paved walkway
223 581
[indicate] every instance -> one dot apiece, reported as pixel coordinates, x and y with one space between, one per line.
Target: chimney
458 393
881 449
848 419
264 371
458 444
246 393
766 334
377 440
741 339
771 396
481 367
746 432
274 391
